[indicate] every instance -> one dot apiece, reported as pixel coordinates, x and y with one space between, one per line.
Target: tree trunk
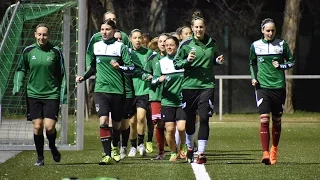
158 10
290 31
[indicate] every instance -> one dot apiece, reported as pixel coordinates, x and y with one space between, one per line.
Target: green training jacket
262 53
47 76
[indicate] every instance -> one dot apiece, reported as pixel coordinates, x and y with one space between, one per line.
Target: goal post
17 32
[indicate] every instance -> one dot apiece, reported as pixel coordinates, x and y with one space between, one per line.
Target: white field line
200 171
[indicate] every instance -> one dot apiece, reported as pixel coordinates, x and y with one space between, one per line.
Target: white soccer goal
16 32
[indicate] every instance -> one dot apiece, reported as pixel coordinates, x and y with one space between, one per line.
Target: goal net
16 32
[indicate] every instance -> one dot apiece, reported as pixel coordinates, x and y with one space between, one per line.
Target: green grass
234 152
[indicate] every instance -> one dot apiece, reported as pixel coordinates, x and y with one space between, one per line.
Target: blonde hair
197 15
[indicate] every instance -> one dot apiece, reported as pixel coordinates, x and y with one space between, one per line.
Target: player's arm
182 59
252 63
61 74
289 60
158 78
20 72
128 65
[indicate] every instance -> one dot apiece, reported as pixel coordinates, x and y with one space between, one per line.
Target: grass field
234 152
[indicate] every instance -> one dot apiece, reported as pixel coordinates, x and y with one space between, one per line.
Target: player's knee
264 118
276 119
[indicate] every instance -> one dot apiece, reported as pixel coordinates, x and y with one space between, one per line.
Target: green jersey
198 74
47 76
108 78
262 53
154 91
96 38
139 58
172 91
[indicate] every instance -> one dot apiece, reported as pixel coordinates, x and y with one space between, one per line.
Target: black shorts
106 103
42 108
140 102
127 113
172 114
271 100
197 101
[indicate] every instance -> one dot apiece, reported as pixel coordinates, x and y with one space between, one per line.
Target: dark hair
146 35
266 21
135 30
42 25
110 23
175 39
197 15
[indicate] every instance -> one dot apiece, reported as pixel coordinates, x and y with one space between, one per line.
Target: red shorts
155 110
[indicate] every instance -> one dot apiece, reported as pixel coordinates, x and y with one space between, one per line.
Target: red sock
160 138
276 132
264 136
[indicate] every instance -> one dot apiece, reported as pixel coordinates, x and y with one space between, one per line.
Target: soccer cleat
266 158
201 159
141 149
195 147
149 147
115 154
56 154
105 160
189 157
183 151
160 156
40 162
173 157
123 152
273 154
132 152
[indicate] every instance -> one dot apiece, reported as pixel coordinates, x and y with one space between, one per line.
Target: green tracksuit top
172 91
155 91
139 58
199 73
262 53
109 79
47 76
89 57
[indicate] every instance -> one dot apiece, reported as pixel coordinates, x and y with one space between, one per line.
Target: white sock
190 140
202 144
177 136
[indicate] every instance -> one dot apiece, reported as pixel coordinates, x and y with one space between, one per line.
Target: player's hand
220 59
191 56
149 77
14 91
114 64
254 82
275 64
79 79
162 78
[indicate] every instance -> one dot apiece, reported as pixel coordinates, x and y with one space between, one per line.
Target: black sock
125 137
52 140
133 142
150 136
39 142
140 139
116 137
106 144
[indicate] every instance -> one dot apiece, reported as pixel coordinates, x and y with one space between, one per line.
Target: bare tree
290 29
157 16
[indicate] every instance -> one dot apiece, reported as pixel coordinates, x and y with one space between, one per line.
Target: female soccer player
171 101
141 85
272 56
111 58
155 94
46 89
197 56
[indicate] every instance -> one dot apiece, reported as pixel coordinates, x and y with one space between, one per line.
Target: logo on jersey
260 59
98 60
278 50
49 58
97 107
33 57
